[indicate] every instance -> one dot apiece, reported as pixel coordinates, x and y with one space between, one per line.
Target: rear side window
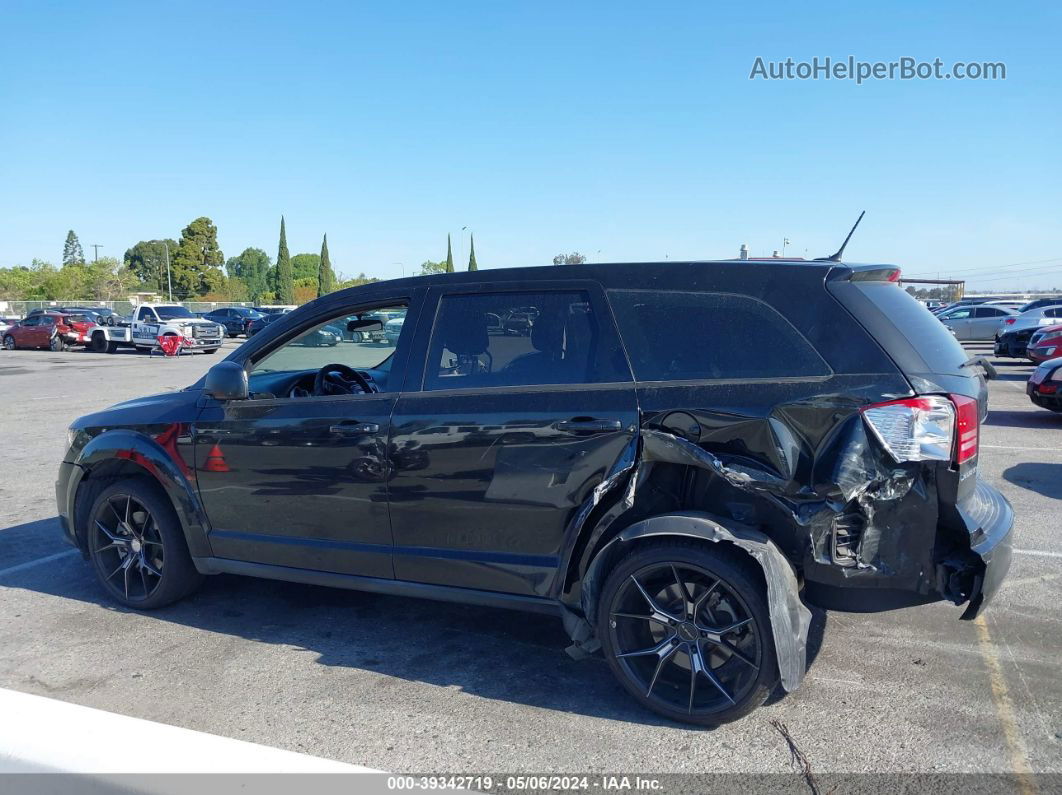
673 336
519 339
915 339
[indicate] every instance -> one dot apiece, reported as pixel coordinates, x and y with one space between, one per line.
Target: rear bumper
990 522
1011 347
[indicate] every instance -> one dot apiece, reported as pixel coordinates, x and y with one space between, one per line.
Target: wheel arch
790 619
122 453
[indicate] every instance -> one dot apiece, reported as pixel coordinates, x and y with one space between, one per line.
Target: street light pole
169 280
96 251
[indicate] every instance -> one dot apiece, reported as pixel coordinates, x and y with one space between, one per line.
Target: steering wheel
337 379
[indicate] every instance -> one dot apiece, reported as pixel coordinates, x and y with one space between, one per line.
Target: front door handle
354 428
588 425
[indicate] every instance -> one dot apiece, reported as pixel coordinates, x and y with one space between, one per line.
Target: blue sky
624 131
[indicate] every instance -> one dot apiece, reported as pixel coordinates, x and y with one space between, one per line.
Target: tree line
195 269
191 268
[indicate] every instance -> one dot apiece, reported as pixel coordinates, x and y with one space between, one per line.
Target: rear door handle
354 428
588 425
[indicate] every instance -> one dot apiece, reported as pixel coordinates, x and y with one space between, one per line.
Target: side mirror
227 381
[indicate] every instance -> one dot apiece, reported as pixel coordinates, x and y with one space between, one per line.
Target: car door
292 479
145 326
25 332
959 322
985 322
502 435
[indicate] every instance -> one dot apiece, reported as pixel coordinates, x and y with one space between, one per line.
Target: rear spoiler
865 273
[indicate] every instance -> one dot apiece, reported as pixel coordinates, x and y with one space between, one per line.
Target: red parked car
1046 343
52 330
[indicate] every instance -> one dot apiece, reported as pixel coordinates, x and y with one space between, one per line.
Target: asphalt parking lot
406 685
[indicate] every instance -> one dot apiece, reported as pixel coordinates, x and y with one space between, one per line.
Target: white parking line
31 563
1010 447
1039 553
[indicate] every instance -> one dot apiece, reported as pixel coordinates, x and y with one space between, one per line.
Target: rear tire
137 547
707 656
56 344
211 350
99 343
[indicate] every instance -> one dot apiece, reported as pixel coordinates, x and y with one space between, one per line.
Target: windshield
172 312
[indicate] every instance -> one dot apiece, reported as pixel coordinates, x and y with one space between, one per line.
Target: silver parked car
976 322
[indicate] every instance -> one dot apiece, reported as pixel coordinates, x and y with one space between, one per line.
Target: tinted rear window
673 336
903 327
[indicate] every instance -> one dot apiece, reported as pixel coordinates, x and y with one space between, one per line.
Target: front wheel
137 548
686 631
9 343
211 350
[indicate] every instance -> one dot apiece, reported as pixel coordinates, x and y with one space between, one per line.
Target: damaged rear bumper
990 521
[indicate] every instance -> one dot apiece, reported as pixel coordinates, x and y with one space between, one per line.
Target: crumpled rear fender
790 619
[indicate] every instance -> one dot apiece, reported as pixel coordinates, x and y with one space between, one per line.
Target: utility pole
169 280
785 242
96 251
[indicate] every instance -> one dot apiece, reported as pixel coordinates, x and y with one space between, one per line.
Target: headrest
466 332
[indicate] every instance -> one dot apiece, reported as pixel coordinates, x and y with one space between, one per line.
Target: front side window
355 340
518 339
144 314
674 336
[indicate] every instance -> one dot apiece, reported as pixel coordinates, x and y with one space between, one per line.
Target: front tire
687 632
9 343
137 548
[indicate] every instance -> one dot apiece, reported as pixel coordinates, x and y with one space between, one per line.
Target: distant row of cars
103 331
1030 330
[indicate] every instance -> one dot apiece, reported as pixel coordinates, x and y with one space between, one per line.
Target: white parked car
393 328
1042 316
152 321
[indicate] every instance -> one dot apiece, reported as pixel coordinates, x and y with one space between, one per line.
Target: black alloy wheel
55 344
136 546
687 633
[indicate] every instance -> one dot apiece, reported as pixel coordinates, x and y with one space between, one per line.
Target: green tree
326 278
472 253
575 258
285 281
252 268
72 253
147 260
305 266
194 266
449 256
428 267
105 279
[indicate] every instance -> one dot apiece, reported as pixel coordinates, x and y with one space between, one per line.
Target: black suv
671 458
235 319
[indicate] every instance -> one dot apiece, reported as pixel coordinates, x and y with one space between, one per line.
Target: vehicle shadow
492 653
1034 417
1013 376
1045 479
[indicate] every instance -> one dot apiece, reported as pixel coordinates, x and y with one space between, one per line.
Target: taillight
1010 321
930 428
968 428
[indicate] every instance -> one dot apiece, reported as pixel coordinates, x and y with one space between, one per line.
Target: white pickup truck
152 321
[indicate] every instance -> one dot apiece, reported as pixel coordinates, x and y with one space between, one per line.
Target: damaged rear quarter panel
794 459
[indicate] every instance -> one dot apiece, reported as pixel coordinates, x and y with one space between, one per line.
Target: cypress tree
325 278
285 279
472 253
449 256
72 253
